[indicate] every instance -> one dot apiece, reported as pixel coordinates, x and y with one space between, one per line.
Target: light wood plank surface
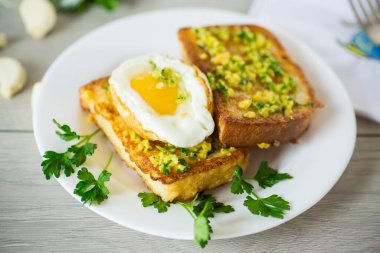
39 216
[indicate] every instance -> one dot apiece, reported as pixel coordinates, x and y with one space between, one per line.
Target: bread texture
203 174
234 128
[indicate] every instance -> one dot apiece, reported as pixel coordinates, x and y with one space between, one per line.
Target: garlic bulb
39 17
12 76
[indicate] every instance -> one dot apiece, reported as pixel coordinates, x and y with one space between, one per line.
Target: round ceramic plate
316 163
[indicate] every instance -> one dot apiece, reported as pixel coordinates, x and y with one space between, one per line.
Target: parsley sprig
151 199
66 133
54 163
274 205
91 189
267 176
201 209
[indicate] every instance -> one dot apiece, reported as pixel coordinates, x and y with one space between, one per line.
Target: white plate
316 163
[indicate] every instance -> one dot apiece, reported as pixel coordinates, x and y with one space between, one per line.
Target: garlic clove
39 17
12 76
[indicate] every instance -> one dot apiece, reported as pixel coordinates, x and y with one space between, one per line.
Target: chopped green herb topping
243 59
167 75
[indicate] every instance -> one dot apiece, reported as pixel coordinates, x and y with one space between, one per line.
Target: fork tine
356 12
374 13
364 11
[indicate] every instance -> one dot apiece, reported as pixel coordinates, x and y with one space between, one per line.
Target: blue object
364 44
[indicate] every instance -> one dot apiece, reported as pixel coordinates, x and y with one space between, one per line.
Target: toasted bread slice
246 127
202 174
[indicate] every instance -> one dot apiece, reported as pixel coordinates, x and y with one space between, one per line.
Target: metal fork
367 13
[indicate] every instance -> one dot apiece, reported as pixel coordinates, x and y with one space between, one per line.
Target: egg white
191 123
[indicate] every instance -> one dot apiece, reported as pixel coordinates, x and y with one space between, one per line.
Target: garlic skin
12 76
38 16
3 40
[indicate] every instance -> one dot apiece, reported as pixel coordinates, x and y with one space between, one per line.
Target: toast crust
236 130
202 175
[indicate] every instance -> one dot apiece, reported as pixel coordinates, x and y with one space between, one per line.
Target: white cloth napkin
320 24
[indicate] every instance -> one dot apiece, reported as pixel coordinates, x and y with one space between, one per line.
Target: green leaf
90 189
239 185
222 208
108 4
267 176
81 152
215 207
200 224
66 133
54 163
151 199
274 206
202 228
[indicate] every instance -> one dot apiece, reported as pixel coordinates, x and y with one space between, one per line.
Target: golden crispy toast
204 171
261 97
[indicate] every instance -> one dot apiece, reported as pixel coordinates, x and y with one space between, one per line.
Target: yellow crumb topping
168 158
263 145
243 59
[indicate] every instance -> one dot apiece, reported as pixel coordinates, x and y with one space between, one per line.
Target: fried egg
163 99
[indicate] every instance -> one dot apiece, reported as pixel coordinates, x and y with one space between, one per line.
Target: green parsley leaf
66 133
75 155
91 189
273 206
239 185
215 207
81 152
108 4
267 176
55 162
202 230
201 208
151 199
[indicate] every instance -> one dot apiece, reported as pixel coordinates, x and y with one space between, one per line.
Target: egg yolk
162 98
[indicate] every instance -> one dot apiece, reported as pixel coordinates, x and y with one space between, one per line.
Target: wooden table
39 216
